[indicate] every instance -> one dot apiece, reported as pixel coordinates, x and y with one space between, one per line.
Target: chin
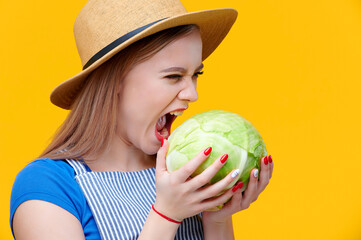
151 149
151 152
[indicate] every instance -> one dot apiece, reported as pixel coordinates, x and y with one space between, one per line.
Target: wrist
216 220
218 229
156 227
173 220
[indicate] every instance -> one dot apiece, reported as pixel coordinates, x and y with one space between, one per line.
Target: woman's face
156 89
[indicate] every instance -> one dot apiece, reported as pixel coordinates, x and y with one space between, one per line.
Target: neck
121 156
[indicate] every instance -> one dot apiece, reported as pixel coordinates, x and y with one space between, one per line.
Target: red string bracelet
164 216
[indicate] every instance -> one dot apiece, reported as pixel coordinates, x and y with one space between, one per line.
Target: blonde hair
91 123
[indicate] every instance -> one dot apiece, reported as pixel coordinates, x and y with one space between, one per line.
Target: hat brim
214 25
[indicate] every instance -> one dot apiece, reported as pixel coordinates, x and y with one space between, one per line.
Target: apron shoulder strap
79 167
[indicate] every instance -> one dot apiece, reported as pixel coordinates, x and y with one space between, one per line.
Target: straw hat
105 27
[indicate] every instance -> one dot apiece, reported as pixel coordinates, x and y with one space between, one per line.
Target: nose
189 90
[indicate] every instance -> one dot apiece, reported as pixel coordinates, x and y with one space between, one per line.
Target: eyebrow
180 69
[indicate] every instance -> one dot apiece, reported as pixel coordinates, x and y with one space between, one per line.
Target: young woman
103 176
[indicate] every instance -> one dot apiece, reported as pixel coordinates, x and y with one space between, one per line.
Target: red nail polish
224 158
265 159
161 144
237 186
270 159
207 151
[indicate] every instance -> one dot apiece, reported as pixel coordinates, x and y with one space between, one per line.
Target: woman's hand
242 200
179 196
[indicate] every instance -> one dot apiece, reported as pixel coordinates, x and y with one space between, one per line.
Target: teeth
161 123
176 113
164 132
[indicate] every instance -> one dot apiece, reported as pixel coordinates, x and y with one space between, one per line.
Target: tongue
161 123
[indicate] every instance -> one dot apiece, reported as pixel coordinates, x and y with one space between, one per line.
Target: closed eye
198 73
178 76
174 76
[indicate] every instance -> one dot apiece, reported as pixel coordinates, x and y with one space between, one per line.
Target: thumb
162 152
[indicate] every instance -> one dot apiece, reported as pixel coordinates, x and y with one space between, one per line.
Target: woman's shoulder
47 165
48 180
43 173
39 172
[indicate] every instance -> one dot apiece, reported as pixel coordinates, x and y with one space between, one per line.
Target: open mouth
163 126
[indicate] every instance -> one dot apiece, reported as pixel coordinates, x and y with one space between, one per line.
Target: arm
216 231
218 225
156 227
178 196
36 219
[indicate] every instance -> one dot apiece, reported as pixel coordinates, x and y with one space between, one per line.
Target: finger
251 191
162 152
234 205
206 176
188 169
215 189
221 199
270 160
264 175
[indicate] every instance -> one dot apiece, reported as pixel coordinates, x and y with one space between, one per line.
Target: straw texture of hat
105 27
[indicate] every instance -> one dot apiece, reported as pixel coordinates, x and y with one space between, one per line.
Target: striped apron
121 201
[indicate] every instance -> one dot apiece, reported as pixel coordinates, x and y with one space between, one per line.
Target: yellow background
290 67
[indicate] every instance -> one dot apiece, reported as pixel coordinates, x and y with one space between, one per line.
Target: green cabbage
225 132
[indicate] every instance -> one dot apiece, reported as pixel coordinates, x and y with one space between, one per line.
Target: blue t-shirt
53 181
